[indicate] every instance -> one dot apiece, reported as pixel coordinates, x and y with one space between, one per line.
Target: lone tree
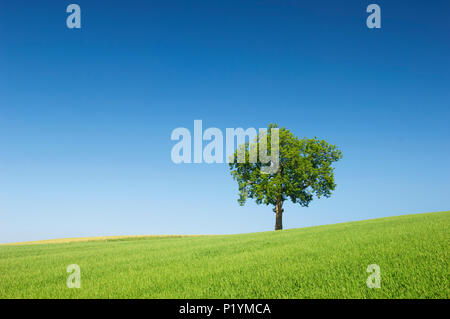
303 169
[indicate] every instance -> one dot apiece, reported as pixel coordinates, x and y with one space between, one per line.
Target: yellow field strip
105 238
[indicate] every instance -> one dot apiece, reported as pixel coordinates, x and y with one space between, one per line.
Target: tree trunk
279 215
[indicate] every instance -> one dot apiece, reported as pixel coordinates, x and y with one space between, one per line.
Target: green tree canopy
303 170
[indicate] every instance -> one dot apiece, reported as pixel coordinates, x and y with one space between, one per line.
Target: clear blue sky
86 115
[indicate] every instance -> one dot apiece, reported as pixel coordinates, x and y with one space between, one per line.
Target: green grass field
317 262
